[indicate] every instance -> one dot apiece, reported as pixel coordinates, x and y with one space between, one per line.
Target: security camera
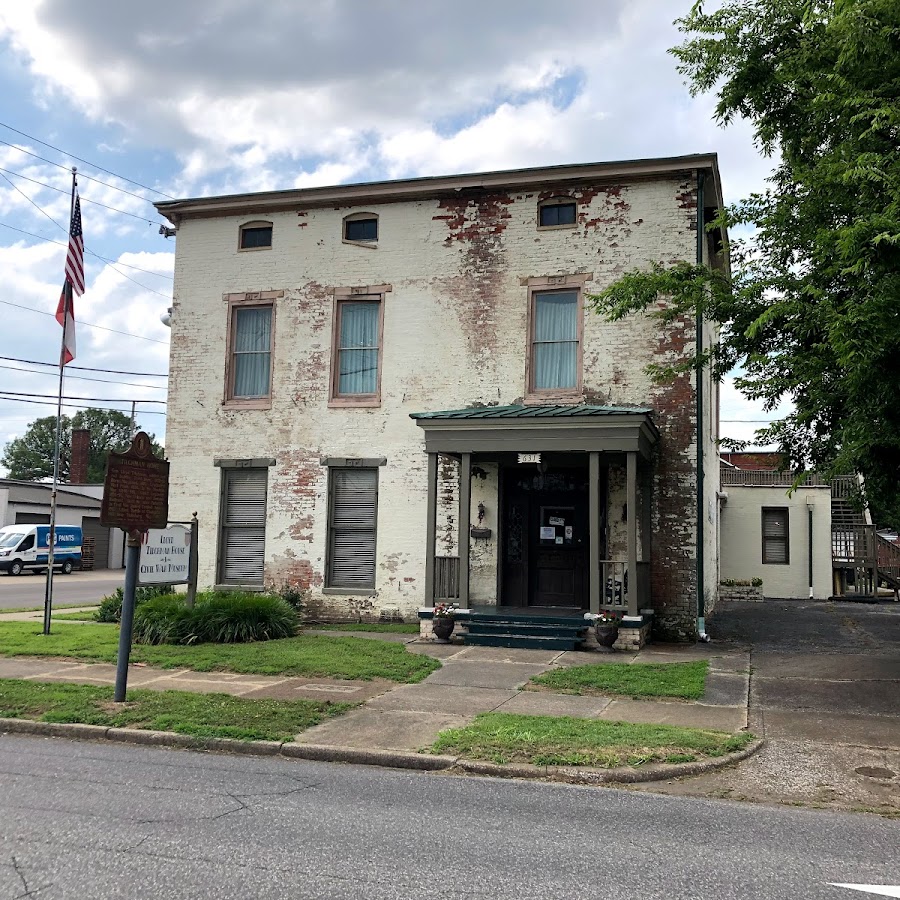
166 318
166 232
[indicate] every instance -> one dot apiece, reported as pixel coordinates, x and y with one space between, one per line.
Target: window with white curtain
352 517
251 352
555 344
356 364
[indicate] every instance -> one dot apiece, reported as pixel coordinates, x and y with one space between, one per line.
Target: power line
37 362
144 412
89 324
69 397
52 187
66 230
40 237
152 387
92 165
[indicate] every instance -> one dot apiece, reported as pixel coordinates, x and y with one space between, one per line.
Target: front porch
540 512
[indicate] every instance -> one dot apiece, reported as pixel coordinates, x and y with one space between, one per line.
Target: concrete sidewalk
472 680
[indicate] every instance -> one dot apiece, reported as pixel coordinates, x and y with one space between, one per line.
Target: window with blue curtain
252 351
358 347
555 342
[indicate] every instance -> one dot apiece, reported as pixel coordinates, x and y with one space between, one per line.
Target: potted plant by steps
606 627
443 620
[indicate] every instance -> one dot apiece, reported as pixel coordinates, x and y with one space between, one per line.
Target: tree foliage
812 314
30 457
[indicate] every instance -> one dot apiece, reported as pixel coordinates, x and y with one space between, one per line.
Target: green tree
812 314
30 457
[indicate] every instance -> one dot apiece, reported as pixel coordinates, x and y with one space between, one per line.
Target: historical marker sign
136 488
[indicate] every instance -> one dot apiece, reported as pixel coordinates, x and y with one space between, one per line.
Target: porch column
430 529
465 512
594 586
631 530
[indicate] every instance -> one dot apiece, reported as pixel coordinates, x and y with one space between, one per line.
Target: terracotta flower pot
607 633
442 626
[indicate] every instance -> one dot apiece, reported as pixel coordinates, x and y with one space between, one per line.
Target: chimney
81 445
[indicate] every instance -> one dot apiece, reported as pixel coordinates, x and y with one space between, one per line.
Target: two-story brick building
394 392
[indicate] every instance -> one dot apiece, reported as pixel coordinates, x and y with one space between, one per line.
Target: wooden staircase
525 630
857 548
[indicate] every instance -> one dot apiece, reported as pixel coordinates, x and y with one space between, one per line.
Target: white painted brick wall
454 336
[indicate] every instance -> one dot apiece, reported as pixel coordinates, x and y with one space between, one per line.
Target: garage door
91 527
25 518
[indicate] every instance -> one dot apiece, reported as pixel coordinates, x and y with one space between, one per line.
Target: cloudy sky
174 99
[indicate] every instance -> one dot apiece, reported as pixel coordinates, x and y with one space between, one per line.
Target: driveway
825 694
79 587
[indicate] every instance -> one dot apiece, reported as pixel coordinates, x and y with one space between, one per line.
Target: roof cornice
438 186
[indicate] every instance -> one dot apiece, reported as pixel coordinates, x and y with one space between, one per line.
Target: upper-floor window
250 339
361 227
357 358
555 353
256 236
556 212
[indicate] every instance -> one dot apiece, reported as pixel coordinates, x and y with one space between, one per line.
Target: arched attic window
360 228
255 236
557 212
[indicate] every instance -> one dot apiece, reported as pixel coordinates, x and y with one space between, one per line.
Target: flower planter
607 633
442 627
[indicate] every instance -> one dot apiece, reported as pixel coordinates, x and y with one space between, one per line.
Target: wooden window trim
371 292
259 224
243 301
550 285
787 535
560 200
356 217
328 587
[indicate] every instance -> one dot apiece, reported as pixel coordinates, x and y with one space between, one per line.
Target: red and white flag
74 284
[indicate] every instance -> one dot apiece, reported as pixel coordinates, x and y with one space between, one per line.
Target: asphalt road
90 820
79 587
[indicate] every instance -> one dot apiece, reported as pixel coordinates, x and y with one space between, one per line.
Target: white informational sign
165 555
548 534
529 457
556 520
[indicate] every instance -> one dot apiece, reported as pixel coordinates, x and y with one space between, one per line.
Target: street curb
391 759
622 775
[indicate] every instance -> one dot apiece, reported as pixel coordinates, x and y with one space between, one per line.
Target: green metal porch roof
532 412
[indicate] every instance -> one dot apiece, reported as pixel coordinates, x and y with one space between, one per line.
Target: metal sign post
136 499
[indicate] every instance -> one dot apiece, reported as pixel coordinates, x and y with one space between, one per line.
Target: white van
26 548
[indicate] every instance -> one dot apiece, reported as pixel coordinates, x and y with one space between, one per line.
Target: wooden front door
545 538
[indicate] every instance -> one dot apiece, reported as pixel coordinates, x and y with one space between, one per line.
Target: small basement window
556 213
361 227
256 236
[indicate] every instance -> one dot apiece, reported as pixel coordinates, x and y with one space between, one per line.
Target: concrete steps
527 632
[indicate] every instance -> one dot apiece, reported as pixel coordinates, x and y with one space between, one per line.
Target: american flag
74 284
75 256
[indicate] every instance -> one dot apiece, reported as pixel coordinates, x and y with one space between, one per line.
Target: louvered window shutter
775 535
354 506
243 544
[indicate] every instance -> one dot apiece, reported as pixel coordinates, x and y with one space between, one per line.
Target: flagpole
67 289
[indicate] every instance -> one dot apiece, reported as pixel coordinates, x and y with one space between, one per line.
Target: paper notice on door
568 532
559 540
556 520
548 534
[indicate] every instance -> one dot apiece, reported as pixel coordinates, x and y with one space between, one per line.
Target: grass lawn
565 741
205 715
75 616
682 680
315 655
371 627
21 609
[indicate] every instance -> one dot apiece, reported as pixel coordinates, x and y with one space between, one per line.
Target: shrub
294 595
221 617
110 608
